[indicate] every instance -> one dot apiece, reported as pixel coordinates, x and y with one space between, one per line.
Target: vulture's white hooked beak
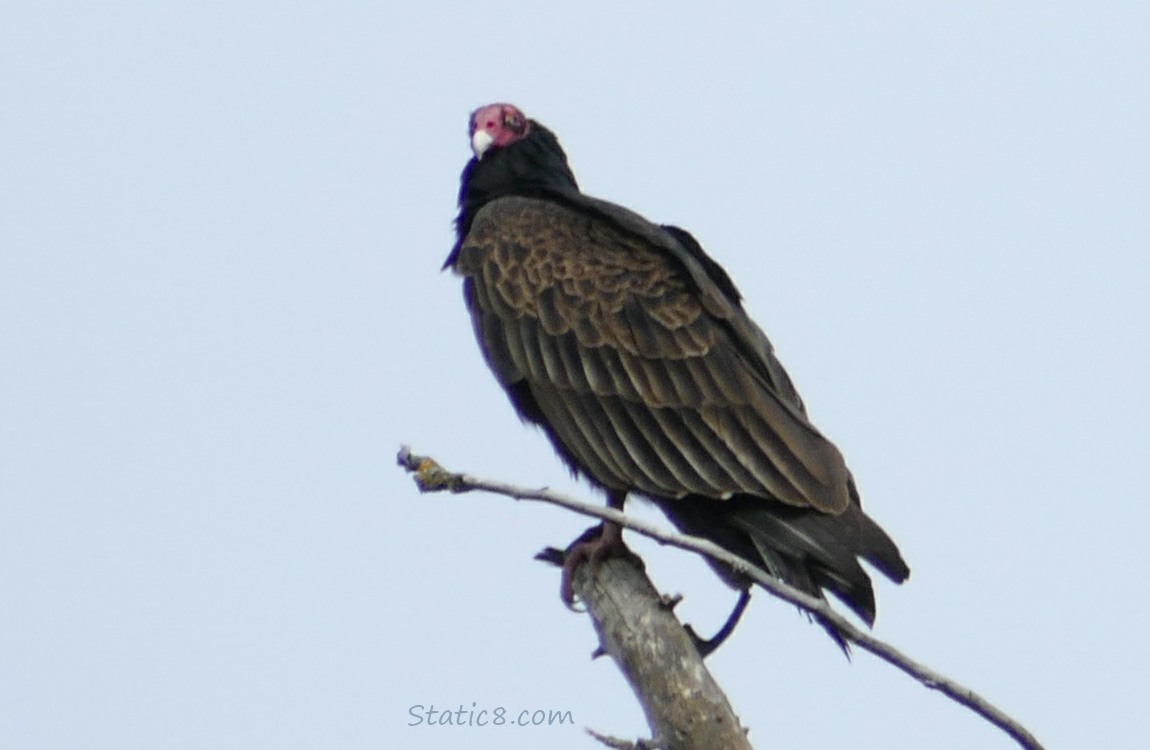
481 140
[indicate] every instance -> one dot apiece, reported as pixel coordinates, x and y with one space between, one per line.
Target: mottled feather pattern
608 290
582 309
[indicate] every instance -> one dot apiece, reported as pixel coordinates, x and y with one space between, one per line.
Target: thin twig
431 477
617 744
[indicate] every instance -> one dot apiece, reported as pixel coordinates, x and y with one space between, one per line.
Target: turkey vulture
630 347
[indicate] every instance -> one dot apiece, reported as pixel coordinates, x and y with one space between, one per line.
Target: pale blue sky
221 312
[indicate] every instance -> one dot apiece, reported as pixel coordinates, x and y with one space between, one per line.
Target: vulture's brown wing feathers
605 328
609 332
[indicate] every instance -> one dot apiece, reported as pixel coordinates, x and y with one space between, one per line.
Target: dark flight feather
629 346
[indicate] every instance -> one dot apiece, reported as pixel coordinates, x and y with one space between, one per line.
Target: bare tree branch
685 708
431 477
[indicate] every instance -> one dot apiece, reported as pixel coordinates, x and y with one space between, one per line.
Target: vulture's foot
592 547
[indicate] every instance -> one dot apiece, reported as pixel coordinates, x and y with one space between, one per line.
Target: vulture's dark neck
534 167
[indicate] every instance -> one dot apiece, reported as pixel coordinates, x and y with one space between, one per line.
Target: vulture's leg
706 648
594 546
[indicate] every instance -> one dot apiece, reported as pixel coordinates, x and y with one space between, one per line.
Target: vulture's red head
513 156
497 125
